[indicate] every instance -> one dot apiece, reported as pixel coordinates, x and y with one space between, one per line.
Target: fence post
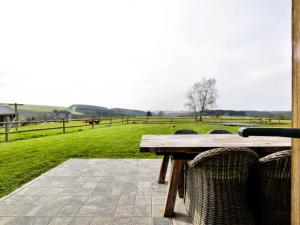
122 119
250 120
64 125
6 132
110 121
127 119
147 119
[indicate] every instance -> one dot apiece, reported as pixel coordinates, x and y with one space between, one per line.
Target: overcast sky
145 54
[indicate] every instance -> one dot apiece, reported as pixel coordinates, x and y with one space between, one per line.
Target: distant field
41 108
21 161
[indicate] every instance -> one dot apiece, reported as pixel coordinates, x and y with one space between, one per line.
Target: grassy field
21 161
117 121
42 133
41 108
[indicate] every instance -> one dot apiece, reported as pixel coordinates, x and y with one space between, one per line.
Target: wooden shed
6 113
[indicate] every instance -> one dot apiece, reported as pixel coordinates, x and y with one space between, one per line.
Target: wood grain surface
201 142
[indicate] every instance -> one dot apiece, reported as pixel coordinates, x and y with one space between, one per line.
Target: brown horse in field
91 122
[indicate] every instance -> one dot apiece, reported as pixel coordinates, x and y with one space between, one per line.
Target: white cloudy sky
145 54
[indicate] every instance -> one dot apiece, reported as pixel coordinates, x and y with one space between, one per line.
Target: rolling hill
76 110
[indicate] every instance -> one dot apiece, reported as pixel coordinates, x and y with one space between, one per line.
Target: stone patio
93 192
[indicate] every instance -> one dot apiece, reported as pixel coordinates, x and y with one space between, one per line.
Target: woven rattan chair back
216 183
271 195
185 131
219 132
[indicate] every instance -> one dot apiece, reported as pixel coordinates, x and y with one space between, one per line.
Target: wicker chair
219 132
270 198
216 182
185 131
165 161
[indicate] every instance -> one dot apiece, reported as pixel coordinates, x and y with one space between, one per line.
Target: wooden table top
200 142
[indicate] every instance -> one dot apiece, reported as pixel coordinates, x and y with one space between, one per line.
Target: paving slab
93 192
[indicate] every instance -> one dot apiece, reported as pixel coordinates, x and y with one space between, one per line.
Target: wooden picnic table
184 147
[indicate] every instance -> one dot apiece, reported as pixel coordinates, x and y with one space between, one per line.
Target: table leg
181 183
173 186
163 169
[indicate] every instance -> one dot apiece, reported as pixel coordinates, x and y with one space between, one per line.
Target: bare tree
192 102
202 96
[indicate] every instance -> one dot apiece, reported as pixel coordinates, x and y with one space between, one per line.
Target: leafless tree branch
202 96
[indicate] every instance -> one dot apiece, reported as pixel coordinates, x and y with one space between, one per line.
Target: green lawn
138 120
23 160
42 133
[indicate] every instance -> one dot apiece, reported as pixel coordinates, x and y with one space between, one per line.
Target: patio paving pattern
93 192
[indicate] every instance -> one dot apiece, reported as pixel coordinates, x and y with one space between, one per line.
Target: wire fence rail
17 127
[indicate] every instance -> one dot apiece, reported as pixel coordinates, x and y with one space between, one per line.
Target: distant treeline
90 110
260 114
77 111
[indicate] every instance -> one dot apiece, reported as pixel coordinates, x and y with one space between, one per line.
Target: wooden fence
8 127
